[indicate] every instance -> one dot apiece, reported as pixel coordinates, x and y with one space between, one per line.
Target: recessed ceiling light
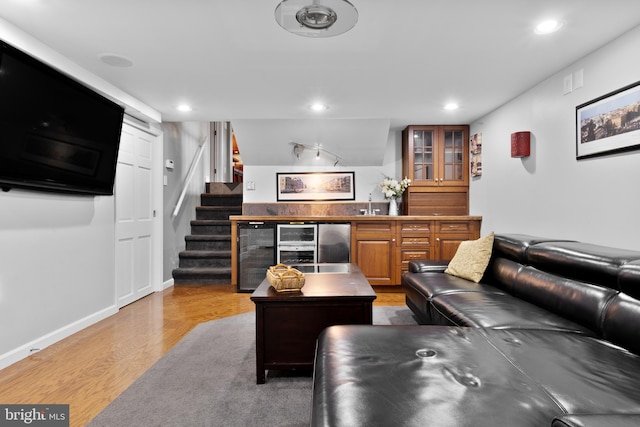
115 60
184 107
318 107
549 26
451 106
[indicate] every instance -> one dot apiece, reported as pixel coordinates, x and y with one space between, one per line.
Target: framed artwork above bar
315 186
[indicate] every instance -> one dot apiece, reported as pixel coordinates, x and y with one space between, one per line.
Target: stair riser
182 277
205 262
215 245
222 214
203 281
216 200
211 229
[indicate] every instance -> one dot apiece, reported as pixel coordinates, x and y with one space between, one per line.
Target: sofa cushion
472 258
502 273
420 288
432 284
515 246
621 322
581 261
580 302
629 279
585 375
499 311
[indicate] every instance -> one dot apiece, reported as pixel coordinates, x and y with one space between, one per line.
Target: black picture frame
609 124
315 186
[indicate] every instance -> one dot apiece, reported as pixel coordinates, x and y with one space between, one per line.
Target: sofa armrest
428 266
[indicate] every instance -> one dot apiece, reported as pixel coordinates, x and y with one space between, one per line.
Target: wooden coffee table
288 323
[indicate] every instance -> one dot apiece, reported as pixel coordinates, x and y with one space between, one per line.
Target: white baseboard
45 341
167 284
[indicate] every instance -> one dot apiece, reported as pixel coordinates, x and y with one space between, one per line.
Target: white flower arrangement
392 188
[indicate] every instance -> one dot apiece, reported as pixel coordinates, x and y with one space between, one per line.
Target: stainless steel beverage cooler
256 253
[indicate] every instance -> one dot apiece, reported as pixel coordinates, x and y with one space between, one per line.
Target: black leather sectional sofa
549 337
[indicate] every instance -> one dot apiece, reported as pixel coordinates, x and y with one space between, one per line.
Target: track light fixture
299 148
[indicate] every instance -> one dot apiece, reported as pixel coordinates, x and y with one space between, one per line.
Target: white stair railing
187 181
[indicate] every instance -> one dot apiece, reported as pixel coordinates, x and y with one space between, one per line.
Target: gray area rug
209 379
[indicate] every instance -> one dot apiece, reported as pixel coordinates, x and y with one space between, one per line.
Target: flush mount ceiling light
549 26
316 18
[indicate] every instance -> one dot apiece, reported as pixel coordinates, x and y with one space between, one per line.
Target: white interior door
134 215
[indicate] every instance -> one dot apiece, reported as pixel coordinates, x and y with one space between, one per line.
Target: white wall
367 178
551 194
56 268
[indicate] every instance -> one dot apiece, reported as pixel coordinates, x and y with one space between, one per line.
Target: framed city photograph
312 186
609 124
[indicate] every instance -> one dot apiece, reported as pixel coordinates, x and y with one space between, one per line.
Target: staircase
206 259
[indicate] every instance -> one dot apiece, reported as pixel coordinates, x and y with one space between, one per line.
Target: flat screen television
55 133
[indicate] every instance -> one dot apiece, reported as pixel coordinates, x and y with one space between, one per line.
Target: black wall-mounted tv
55 133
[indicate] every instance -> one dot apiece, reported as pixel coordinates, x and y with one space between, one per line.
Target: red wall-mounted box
521 144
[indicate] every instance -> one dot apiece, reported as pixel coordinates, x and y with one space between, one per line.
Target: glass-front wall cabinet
422 155
454 150
436 155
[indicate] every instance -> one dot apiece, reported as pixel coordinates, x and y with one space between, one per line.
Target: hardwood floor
92 367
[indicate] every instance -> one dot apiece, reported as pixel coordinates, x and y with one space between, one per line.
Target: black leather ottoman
443 376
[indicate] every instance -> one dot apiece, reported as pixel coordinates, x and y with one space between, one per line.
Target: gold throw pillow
471 258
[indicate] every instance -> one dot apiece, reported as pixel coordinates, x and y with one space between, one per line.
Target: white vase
393 207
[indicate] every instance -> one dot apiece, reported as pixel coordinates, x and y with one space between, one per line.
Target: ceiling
401 63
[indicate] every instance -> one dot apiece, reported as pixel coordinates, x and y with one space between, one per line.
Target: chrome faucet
369 210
